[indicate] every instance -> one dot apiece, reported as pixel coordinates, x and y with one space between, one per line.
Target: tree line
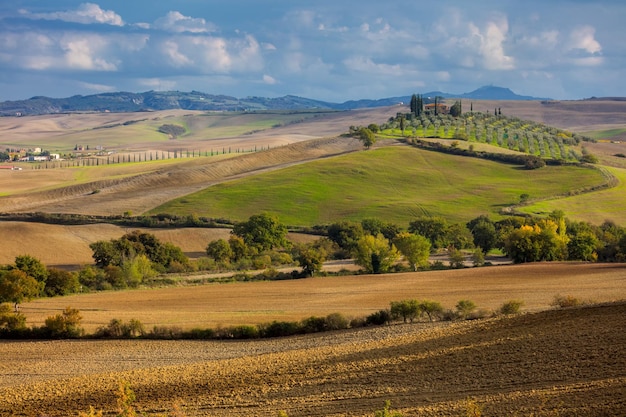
376 246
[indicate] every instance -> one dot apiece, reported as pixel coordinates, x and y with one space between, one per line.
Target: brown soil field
213 305
567 362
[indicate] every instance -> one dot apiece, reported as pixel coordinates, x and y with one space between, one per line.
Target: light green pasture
395 184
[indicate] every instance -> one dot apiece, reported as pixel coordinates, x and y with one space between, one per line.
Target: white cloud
212 54
176 58
267 79
82 53
86 13
491 47
157 84
101 88
176 22
583 38
364 64
268 46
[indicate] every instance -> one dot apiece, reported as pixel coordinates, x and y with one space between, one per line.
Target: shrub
378 318
166 332
465 307
432 309
117 329
386 412
358 322
200 334
336 321
279 329
238 332
408 310
511 307
565 301
64 325
11 321
313 325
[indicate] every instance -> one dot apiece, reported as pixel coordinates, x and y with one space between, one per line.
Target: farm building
441 108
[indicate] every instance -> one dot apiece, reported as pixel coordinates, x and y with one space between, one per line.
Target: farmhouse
441 108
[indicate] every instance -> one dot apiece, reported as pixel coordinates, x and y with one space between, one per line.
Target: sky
332 50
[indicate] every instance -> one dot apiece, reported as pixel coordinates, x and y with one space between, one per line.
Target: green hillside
394 183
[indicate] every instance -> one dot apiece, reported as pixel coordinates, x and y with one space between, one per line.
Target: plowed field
559 362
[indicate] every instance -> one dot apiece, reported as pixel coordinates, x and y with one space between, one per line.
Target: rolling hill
195 100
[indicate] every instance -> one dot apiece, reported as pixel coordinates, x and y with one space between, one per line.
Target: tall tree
262 231
414 248
17 286
375 254
413 106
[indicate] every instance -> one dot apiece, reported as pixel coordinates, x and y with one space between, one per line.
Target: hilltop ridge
122 102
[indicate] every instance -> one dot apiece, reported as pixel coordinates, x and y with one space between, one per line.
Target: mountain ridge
119 102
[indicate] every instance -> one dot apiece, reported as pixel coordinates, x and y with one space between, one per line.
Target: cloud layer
321 49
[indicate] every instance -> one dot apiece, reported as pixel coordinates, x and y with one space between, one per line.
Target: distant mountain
195 100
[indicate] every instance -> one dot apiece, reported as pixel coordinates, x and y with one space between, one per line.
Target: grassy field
395 183
594 208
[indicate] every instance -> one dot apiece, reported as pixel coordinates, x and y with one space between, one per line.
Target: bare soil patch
566 362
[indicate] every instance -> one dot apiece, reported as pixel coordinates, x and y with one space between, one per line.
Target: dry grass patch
210 306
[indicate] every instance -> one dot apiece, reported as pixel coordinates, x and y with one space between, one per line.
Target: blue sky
329 50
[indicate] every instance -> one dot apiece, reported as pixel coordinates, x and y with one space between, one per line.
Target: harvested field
71 243
210 306
560 362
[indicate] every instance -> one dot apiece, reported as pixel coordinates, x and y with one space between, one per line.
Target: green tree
375 254
311 259
219 250
366 136
413 105
61 282
376 226
408 310
431 308
17 286
484 233
238 247
346 235
583 246
414 248
457 259
432 228
456 110
262 231
459 236
32 266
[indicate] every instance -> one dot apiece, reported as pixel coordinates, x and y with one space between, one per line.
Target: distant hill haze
120 102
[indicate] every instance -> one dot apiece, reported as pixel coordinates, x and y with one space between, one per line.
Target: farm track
568 362
138 193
